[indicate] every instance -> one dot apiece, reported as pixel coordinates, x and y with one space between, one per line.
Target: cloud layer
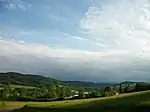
110 41
120 25
69 64
34 58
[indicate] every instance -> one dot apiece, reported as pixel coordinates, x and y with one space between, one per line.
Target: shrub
109 91
2 105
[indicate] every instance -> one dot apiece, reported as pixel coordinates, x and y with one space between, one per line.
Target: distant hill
38 81
87 84
26 79
131 82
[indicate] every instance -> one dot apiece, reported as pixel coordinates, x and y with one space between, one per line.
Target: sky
80 40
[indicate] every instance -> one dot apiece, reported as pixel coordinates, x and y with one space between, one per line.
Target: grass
132 102
21 86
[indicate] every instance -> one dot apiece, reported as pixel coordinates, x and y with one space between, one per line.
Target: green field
19 86
132 102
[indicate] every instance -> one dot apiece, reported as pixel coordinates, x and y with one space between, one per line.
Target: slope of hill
26 79
37 80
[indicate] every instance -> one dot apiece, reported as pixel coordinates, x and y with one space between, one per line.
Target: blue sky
90 40
55 23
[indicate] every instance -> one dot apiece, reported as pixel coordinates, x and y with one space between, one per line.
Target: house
86 93
117 93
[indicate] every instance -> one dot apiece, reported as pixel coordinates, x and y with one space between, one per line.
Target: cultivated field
132 102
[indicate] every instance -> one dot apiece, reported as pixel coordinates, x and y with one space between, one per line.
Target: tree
23 92
6 93
81 93
1 94
6 83
126 89
15 92
62 93
58 91
52 91
68 91
142 87
94 94
120 88
109 91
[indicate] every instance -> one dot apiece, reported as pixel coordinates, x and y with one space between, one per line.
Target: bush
109 91
25 99
142 87
109 94
2 105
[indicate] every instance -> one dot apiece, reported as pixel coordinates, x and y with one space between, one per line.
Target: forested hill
26 79
38 81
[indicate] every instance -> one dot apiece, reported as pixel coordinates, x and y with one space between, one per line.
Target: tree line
52 92
47 89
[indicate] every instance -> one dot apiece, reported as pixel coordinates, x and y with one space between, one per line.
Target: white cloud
14 47
79 38
122 25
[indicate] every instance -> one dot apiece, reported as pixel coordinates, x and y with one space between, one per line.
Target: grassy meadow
19 86
132 102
